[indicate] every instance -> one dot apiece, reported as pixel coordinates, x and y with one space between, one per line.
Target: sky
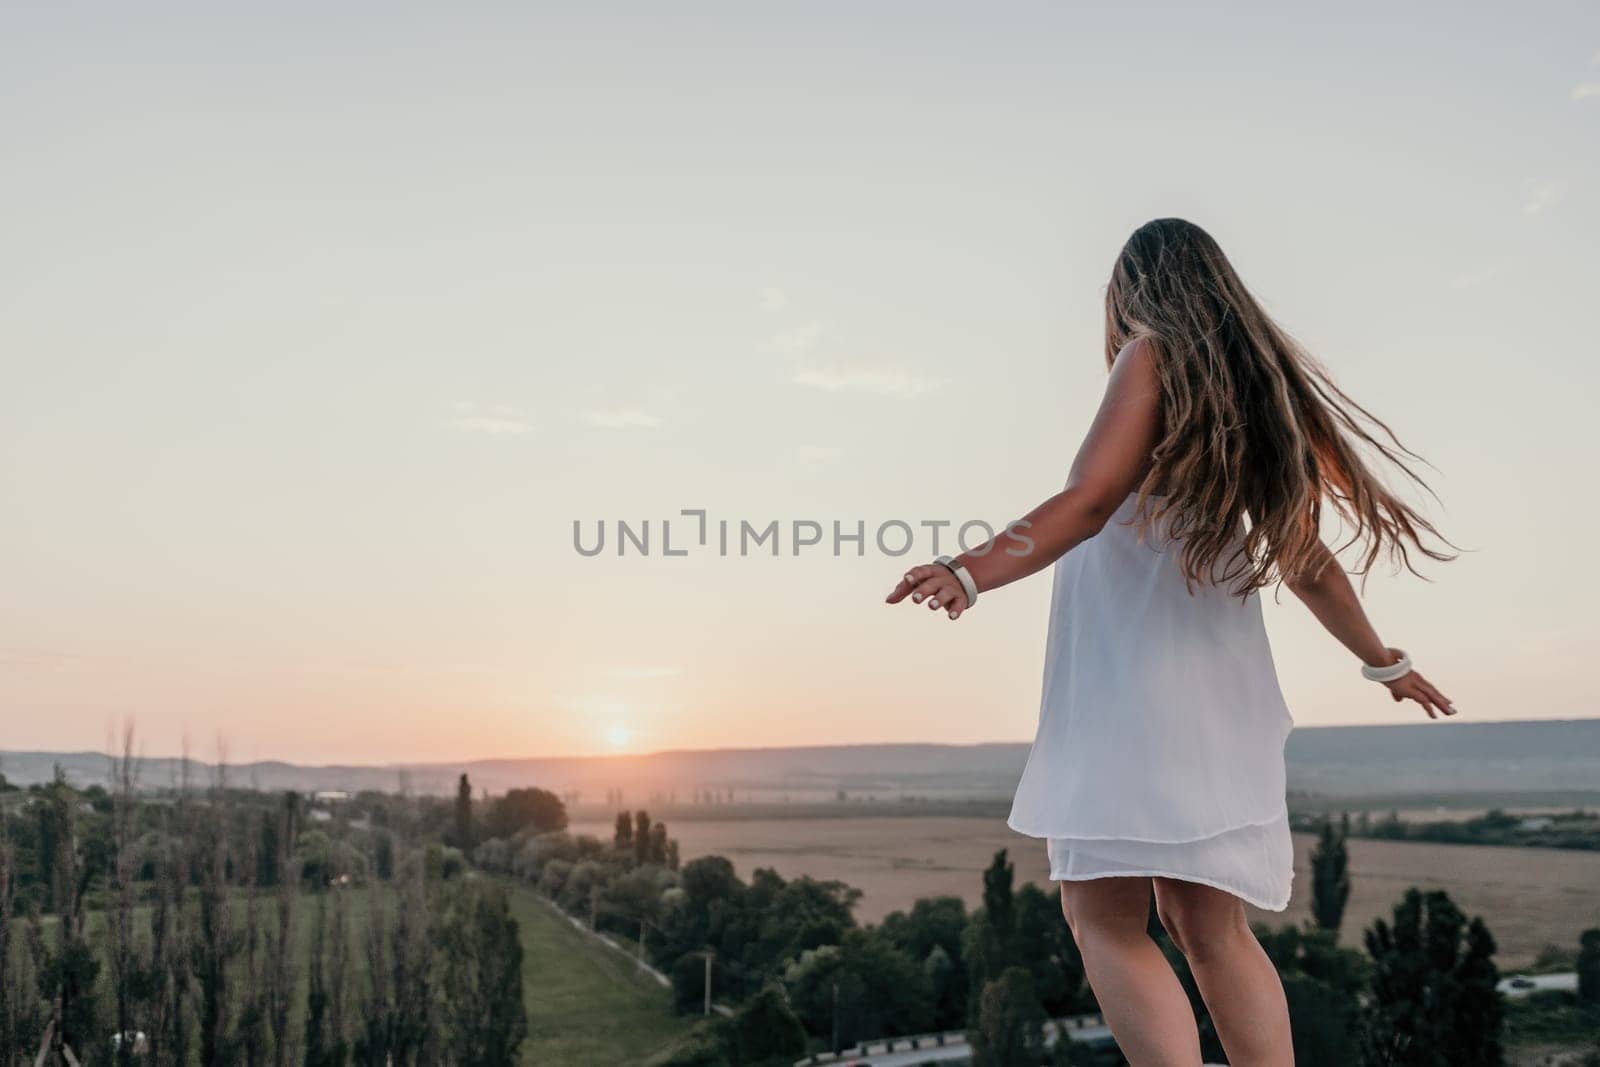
321 326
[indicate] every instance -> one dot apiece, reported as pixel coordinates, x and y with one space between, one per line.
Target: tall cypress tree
641 837
463 821
1330 877
992 945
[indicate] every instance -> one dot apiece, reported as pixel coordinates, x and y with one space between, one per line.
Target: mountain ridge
1541 754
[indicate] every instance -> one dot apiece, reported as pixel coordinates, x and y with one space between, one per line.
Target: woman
1158 765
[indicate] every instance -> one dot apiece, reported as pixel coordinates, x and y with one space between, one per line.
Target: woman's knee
1204 923
1106 908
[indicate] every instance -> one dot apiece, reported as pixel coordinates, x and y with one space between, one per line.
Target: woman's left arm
1110 463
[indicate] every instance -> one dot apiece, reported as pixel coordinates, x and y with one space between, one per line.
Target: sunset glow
310 374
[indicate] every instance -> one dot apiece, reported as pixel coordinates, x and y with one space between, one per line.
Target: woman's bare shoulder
1134 370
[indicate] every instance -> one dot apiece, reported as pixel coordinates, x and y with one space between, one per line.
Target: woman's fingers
954 602
908 582
932 589
939 592
1414 687
1424 692
943 592
931 585
1446 705
1409 689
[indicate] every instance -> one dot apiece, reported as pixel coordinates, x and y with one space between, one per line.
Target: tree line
1578 829
220 926
213 925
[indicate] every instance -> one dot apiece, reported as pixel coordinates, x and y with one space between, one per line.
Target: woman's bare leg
1141 997
1240 985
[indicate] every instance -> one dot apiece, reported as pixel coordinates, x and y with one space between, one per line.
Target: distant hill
1422 758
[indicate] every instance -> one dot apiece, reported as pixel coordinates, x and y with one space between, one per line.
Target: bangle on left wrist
1392 672
968 586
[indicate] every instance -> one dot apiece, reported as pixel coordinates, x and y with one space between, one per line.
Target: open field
1529 897
1413 807
585 1004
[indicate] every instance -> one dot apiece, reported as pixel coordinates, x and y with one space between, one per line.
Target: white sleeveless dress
1161 727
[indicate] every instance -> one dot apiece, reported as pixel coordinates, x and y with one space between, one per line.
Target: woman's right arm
1108 467
1332 599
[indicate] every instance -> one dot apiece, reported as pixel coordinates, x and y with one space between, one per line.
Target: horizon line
476 760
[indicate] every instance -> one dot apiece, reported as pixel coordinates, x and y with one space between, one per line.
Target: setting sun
618 736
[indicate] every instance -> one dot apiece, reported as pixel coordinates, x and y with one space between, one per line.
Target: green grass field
587 1005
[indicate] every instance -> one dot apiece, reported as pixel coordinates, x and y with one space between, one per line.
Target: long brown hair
1251 425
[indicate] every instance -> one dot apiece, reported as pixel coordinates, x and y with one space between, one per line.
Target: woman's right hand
1414 686
934 583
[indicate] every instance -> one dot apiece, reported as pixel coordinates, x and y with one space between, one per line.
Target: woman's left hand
1413 686
932 584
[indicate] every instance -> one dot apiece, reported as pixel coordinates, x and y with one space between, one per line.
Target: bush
689 984
494 855
586 879
443 862
553 878
882 991
767 1031
1432 995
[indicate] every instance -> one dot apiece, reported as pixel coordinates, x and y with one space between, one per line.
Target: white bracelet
1393 672
968 586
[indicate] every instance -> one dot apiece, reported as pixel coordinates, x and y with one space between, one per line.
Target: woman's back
1158 693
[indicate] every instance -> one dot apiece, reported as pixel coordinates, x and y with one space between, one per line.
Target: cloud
845 376
494 420
1541 195
882 379
773 299
620 419
1584 90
